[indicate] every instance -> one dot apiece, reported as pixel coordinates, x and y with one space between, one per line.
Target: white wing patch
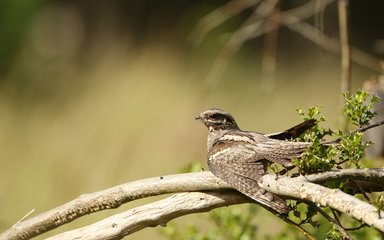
215 155
236 138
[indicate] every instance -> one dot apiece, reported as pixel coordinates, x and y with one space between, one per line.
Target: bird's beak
197 117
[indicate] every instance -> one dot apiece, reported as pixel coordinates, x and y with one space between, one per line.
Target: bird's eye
214 116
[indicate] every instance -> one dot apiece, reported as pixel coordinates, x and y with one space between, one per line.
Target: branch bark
333 198
372 175
112 198
154 214
297 187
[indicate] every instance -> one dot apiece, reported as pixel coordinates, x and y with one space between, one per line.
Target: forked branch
220 195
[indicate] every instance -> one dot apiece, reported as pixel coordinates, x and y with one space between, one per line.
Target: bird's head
216 119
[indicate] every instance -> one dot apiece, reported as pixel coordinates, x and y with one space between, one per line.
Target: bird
240 158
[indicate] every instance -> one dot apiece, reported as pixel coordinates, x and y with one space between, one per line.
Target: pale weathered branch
161 212
372 175
112 198
333 198
154 214
297 187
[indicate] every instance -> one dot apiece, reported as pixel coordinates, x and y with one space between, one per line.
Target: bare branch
219 16
333 198
298 187
112 198
369 180
370 126
360 130
154 214
372 174
335 223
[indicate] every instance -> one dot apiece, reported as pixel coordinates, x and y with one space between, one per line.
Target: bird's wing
278 151
263 147
236 165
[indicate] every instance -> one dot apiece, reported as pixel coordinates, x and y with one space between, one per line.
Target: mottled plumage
240 157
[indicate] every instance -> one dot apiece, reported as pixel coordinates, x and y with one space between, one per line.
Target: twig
301 229
217 17
363 129
336 216
373 175
356 228
361 190
26 216
335 223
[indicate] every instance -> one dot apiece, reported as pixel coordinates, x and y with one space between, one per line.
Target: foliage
358 108
347 150
379 202
334 234
318 157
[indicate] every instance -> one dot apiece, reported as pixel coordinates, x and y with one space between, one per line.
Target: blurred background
95 94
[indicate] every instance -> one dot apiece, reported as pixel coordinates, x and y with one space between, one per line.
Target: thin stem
335 223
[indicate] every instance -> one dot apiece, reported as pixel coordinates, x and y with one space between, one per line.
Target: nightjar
240 158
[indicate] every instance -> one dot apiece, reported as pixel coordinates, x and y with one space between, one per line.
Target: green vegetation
349 147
